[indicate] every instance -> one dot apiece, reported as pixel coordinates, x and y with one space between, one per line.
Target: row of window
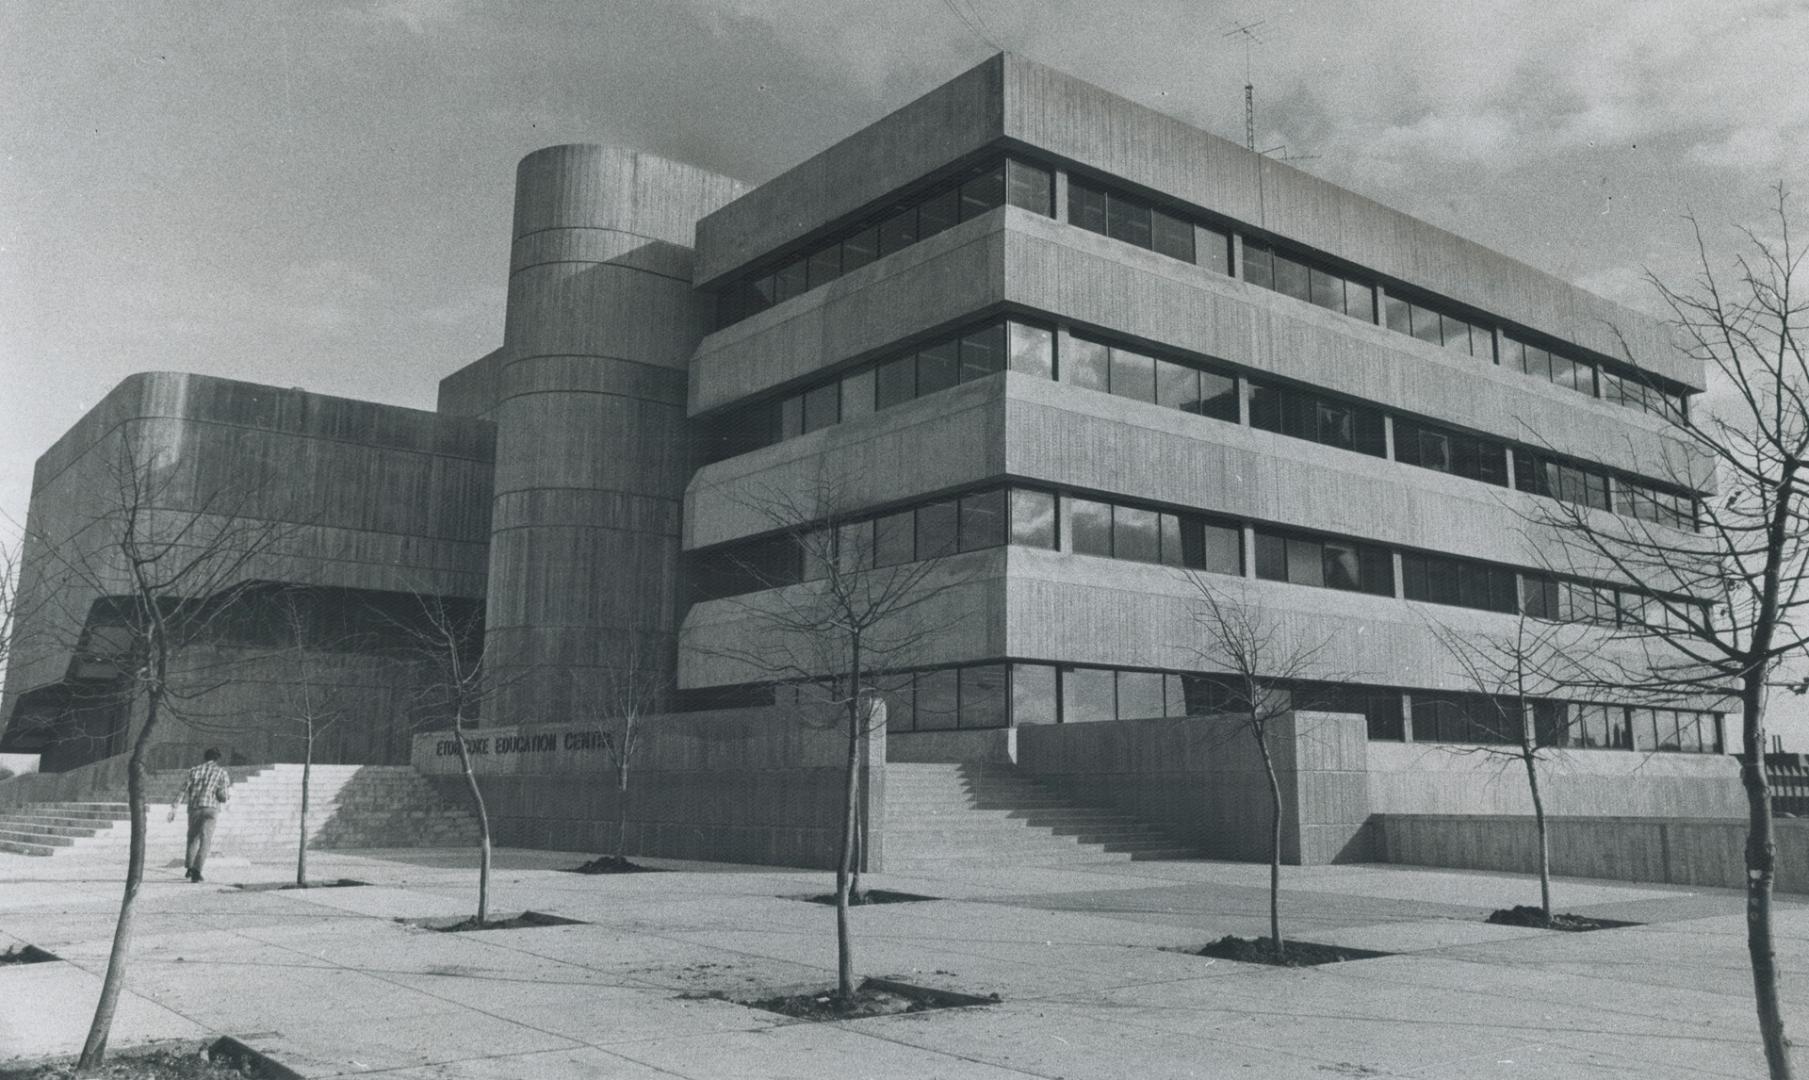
1104 209
1189 387
1134 220
973 353
998 183
1028 517
996 695
992 517
1479 718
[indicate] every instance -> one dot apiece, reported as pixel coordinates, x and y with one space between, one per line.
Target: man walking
205 790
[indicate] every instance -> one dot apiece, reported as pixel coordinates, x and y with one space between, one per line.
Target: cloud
417 16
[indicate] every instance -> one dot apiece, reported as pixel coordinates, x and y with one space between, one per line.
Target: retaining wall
747 785
1203 780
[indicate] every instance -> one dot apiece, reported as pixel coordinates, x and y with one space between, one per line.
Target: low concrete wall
998 746
99 781
1676 851
1433 778
744 785
1203 780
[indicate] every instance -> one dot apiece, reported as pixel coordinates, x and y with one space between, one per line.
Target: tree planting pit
874 997
870 896
280 886
26 954
609 864
1534 918
222 1059
1294 953
463 924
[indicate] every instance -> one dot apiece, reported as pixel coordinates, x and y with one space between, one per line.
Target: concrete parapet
1674 851
747 785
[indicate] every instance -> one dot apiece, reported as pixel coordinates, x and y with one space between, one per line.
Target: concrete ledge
998 746
1673 851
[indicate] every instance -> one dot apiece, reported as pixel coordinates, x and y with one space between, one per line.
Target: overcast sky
318 194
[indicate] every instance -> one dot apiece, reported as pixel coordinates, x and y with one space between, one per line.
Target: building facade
1078 355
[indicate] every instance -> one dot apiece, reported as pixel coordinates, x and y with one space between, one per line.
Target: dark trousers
200 835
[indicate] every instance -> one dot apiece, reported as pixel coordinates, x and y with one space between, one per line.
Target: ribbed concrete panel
591 440
953 438
954 120
943 279
727 642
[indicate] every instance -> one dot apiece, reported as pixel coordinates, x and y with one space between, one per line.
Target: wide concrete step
51 826
20 847
32 836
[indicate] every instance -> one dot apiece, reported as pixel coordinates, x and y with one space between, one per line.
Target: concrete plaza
329 984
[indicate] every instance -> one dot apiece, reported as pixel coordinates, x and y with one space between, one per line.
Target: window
896 381
1133 375
938 704
1331 563
902 224
1172 383
1469 456
1429 323
1033 699
1466 718
895 538
937 529
822 407
1033 518
1135 535
857 394
1087 696
983 702
1541 475
1089 527
1133 220
1331 421
1032 349
983 520
1438 579
1305 280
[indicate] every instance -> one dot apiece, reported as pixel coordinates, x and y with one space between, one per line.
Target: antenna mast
1247 31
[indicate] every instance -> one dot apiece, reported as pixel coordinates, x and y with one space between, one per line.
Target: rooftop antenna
1248 32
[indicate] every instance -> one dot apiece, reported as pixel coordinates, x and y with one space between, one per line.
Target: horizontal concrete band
596 373
589 244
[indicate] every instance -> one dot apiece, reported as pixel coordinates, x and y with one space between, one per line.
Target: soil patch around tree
222 1059
26 954
280 886
609 864
870 896
1530 916
468 924
873 997
1294 953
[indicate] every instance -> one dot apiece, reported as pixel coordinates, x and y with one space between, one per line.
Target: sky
318 194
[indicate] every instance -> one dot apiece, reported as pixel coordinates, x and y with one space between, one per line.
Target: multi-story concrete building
1067 346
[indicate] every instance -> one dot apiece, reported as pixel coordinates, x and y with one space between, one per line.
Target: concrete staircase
349 806
984 815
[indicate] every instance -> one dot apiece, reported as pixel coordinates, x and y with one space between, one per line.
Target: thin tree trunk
1262 742
301 847
94 1049
860 847
483 823
622 808
1532 782
844 943
1761 869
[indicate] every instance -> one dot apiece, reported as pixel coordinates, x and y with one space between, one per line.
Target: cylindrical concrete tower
591 450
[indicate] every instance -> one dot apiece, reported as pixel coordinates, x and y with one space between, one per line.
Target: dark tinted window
983 520
938 529
1032 518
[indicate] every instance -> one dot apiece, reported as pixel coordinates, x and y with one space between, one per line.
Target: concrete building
1061 344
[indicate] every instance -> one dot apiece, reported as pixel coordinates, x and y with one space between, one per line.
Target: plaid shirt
205 788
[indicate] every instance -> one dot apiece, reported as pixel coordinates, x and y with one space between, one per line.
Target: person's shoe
191 875
196 878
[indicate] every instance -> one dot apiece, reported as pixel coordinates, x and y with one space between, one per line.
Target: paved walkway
328 983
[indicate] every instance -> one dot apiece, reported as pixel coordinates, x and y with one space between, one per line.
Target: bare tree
1723 604
445 639
629 692
168 560
1537 659
1268 676
841 634
313 702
